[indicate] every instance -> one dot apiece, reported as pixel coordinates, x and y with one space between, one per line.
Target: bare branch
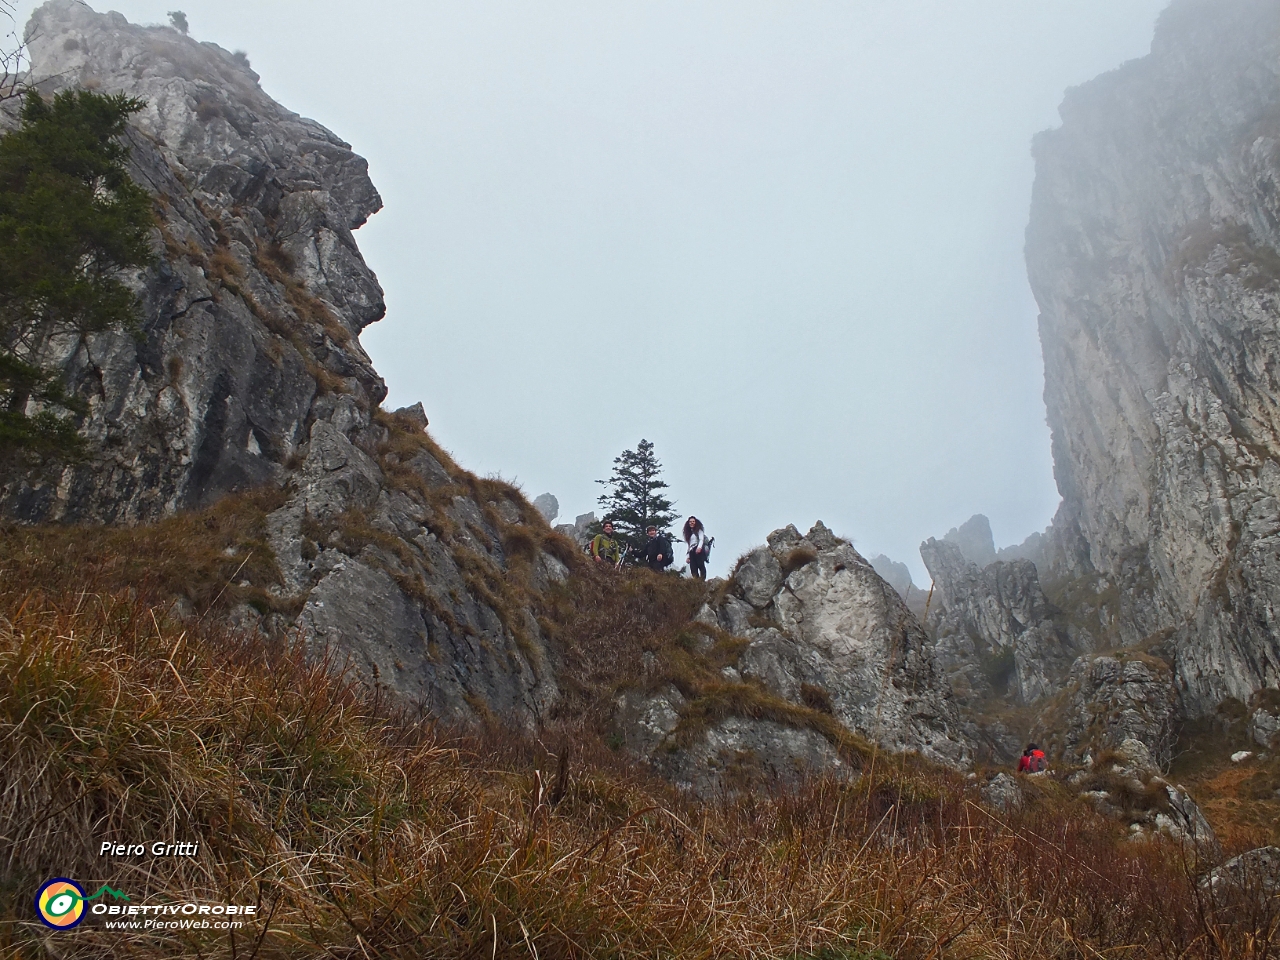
14 61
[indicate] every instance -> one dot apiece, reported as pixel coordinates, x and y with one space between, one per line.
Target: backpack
1036 763
667 551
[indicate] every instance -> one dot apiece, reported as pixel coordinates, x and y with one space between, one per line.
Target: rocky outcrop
249 374
1254 871
547 505
1108 701
801 663
580 530
974 540
996 633
1002 792
251 316
820 623
896 574
1154 254
1264 727
1124 783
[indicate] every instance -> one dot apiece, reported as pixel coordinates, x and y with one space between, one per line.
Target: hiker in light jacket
699 547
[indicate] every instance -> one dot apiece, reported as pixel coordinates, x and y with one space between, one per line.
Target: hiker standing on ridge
699 547
657 552
604 548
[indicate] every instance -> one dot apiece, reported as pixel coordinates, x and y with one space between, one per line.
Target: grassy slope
366 834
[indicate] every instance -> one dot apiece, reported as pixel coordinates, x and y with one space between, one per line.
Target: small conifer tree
71 220
634 500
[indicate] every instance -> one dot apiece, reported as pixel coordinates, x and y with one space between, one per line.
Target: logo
60 902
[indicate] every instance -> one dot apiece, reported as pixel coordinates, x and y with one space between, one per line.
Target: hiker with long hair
695 535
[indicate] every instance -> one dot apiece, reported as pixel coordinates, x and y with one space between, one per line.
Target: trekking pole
623 556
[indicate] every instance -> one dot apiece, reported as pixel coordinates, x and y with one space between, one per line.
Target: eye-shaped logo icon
60 903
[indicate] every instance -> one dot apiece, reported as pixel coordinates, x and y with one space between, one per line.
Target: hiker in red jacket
1032 760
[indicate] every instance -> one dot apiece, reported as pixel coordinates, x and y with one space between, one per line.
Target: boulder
1256 870
817 616
1002 792
739 753
1264 727
1185 821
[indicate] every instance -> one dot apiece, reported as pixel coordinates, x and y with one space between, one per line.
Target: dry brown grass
797 558
203 556
364 834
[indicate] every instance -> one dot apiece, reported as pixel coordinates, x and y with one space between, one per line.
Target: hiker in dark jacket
699 547
657 552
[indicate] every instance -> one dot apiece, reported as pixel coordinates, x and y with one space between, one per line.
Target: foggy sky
782 240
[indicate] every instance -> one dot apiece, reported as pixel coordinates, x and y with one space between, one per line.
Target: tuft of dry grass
797 558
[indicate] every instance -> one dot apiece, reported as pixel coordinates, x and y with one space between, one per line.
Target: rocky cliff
1154 254
821 626
249 374
996 633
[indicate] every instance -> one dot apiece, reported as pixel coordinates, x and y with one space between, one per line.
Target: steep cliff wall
249 374
1153 254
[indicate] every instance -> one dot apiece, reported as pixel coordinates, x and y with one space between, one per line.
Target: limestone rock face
1111 702
1154 254
996 632
548 506
818 617
580 530
974 539
254 309
896 574
250 374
